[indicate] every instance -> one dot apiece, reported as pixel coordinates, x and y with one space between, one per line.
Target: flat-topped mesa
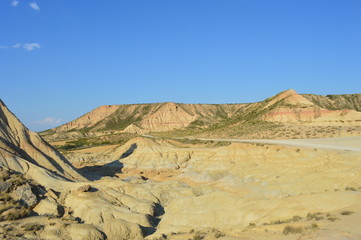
285 107
21 148
141 118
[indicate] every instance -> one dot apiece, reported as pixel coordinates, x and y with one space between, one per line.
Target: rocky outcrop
24 195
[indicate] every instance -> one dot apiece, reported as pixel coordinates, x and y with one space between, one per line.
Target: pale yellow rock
83 232
121 230
20 147
47 207
93 208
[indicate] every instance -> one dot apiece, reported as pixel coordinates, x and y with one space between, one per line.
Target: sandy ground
354 142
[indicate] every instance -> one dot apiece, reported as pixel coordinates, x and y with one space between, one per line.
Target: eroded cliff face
20 147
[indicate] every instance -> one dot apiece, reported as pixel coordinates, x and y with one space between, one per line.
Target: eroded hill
283 116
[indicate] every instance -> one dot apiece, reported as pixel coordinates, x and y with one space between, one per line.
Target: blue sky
61 58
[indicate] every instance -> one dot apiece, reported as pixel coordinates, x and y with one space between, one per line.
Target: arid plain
288 167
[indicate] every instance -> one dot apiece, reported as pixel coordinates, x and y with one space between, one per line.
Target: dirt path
295 143
352 144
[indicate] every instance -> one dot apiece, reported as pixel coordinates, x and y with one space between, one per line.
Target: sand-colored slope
167 118
19 147
89 119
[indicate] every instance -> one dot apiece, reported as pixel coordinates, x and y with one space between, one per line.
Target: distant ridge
287 107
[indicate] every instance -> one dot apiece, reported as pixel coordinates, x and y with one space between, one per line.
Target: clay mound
21 148
143 153
289 97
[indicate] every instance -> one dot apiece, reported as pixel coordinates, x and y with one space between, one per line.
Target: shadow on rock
108 170
97 172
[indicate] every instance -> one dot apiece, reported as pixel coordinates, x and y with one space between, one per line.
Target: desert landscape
287 167
180 120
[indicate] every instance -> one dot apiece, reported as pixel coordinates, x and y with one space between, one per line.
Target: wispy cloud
31 46
14 3
16 45
34 6
27 46
49 121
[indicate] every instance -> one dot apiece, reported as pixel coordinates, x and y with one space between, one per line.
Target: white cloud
26 46
16 45
14 3
31 46
34 6
49 121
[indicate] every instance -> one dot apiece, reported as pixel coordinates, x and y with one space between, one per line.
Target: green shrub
350 189
32 227
198 236
315 216
292 230
314 226
347 213
219 234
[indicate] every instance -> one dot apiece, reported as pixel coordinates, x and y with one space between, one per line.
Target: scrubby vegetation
119 138
292 230
11 209
202 143
336 102
347 212
316 216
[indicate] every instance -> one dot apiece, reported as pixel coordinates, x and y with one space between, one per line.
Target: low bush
347 213
292 230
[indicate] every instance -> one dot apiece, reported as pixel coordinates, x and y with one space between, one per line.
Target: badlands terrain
288 167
